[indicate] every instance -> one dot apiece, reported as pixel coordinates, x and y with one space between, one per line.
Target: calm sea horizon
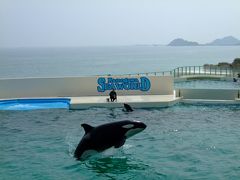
85 61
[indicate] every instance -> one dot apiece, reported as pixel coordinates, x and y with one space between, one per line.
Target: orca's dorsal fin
87 128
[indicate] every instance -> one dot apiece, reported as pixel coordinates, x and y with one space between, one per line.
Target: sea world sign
141 84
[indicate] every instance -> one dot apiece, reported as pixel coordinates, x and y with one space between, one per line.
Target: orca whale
127 108
100 138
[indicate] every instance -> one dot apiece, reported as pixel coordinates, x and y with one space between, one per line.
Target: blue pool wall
32 104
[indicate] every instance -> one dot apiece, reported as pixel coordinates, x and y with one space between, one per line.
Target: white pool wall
75 87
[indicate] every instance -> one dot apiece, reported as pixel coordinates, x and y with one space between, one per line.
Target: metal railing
190 71
160 73
205 71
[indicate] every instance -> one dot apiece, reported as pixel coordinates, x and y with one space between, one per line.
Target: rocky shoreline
235 64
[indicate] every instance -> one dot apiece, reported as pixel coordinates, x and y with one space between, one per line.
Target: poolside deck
136 101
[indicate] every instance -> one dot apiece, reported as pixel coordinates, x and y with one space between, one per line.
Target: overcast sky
40 23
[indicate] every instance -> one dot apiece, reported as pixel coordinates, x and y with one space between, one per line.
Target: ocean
85 61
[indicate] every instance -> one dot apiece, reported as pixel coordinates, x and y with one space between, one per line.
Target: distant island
226 41
182 42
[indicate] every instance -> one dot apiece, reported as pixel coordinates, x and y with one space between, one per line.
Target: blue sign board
141 84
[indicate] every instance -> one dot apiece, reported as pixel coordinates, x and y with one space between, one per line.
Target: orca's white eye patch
128 126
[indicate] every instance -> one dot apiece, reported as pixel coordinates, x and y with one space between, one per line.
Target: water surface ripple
180 142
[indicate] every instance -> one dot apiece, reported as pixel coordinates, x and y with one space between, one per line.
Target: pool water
207 84
180 142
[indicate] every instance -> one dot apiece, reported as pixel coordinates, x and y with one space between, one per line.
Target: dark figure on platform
238 75
113 95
